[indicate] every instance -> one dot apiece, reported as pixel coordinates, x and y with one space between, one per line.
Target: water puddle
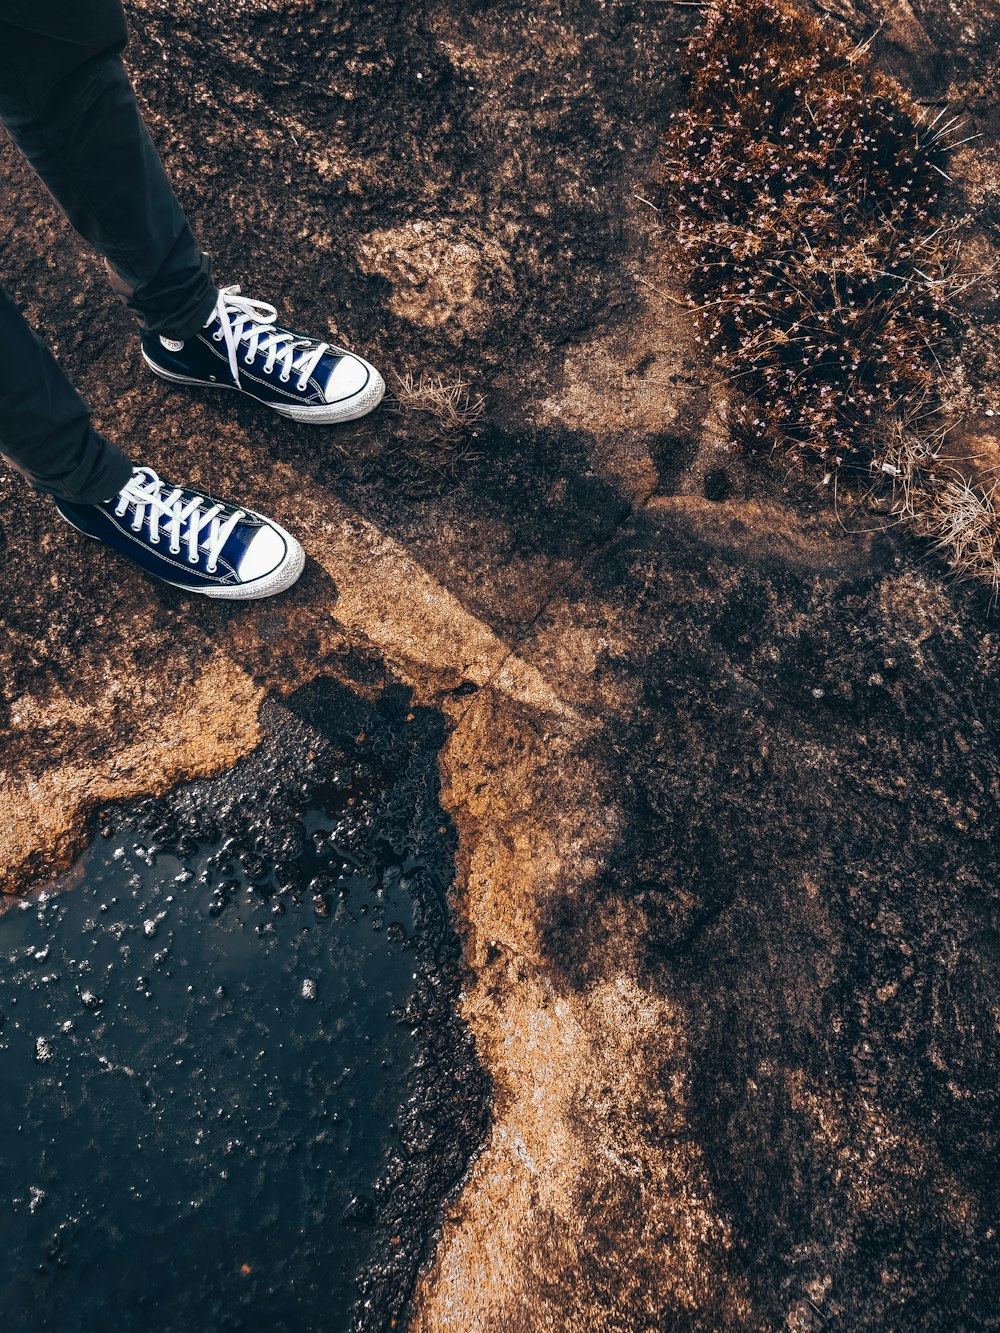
234 1088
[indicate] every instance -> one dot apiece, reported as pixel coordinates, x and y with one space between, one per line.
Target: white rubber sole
270 585
322 414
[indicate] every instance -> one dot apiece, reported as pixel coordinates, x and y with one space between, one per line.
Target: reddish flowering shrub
807 190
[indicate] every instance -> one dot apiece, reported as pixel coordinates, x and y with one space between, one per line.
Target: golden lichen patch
637 377
630 376
570 1156
765 529
443 275
210 724
339 167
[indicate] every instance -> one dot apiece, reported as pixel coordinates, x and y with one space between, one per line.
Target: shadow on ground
722 771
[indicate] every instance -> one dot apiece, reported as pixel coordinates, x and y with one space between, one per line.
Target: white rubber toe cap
271 563
349 377
263 556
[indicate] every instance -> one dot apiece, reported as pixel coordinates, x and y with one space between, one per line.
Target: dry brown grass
808 192
958 515
452 404
427 430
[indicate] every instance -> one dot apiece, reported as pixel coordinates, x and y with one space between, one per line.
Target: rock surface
726 787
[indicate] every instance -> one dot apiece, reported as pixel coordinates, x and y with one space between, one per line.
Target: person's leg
71 110
180 535
45 427
73 113
69 107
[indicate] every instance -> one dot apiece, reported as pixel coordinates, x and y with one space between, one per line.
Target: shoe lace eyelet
194 561
217 337
136 527
210 569
248 360
284 378
154 539
174 550
301 386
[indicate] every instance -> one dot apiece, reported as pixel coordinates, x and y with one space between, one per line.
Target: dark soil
810 862
788 726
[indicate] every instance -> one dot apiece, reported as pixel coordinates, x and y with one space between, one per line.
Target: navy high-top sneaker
191 540
242 348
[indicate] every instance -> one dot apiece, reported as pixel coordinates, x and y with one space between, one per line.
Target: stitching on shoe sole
313 410
294 399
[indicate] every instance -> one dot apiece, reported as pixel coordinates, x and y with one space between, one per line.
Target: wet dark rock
343 1089
717 485
361 1211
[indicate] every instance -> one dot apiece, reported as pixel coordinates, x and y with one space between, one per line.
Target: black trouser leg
72 112
70 109
45 428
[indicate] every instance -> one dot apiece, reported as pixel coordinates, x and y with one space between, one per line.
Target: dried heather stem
807 194
958 516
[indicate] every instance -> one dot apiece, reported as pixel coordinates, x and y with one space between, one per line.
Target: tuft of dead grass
956 514
452 404
428 429
807 189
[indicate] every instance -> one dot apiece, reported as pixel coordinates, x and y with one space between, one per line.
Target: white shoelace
249 322
169 513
